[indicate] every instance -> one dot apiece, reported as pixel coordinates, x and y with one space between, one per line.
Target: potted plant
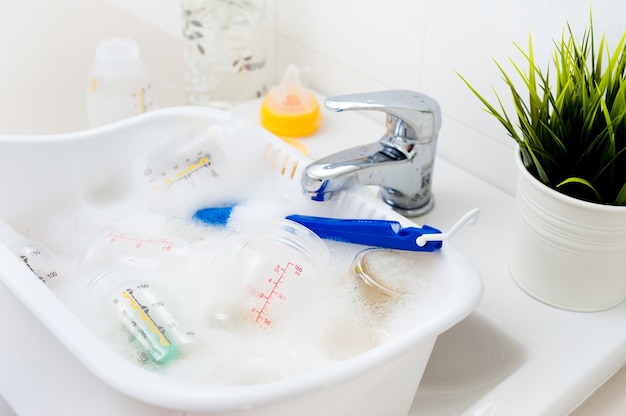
570 129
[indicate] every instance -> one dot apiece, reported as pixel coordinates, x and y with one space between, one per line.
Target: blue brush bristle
217 216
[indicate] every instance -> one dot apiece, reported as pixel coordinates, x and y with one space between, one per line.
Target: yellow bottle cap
290 110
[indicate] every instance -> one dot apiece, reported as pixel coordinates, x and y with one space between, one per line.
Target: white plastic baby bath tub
51 362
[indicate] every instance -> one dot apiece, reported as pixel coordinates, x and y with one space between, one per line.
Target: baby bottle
116 246
191 155
131 299
119 84
35 255
274 273
130 274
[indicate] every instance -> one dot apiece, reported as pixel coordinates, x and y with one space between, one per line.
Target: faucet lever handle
419 112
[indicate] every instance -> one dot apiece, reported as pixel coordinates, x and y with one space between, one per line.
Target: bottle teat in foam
289 109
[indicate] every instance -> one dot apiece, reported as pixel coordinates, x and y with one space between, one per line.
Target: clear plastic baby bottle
190 155
273 275
131 298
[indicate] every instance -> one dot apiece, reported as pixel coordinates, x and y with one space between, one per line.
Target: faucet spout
357 165
371 164
400 162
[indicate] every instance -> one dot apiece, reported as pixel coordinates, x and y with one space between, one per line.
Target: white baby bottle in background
119 83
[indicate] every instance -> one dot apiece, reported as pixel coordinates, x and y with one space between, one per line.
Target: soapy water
149 231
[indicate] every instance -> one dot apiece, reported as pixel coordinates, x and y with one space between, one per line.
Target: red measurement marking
166 245
258 313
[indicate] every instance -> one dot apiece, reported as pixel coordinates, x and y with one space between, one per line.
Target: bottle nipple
289 109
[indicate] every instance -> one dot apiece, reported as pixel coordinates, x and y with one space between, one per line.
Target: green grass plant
571 129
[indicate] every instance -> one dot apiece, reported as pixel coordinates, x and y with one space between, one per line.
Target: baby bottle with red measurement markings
276 272
136 248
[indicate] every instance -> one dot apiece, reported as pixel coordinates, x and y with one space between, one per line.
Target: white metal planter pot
568 253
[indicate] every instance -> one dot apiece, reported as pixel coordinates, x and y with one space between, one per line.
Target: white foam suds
130 224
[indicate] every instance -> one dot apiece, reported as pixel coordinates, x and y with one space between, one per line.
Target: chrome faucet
401 162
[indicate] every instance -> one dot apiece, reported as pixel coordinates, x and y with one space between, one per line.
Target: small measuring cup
275 271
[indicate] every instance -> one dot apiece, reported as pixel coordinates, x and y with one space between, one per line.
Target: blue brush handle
377 233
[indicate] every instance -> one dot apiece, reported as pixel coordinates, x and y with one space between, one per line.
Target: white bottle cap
117 56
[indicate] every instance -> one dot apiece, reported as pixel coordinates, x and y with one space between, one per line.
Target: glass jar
37 257
224 51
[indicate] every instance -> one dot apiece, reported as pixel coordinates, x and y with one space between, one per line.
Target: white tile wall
347 46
